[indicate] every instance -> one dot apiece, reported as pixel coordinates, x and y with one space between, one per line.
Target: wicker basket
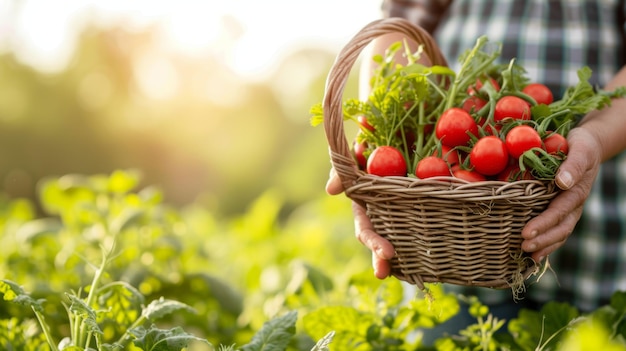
445 229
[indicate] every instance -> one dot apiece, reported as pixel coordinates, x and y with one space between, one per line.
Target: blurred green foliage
290 281
185 254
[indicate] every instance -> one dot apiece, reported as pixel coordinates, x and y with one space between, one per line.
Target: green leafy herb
155 339
274 335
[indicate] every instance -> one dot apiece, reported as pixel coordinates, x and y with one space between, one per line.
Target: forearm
608 126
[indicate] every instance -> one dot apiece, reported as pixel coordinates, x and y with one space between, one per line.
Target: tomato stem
522 96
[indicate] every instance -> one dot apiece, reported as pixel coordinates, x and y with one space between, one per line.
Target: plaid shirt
552 40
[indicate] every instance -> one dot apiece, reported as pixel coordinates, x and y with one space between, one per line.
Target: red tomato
555 143
473 104
386 161
363 122
448 154
358 149
432 166
479 84
468 175
455 126
511 107
539 92
489 155
521 139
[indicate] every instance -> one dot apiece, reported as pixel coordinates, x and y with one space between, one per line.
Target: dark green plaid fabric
552 39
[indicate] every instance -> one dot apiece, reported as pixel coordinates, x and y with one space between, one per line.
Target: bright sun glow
247 34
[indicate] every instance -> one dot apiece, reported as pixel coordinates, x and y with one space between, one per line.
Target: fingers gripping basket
444 230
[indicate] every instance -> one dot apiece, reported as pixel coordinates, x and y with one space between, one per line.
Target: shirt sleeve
425 13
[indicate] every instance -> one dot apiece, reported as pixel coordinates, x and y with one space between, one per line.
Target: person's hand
550 229
382 250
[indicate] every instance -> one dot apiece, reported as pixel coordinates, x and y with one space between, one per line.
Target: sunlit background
209 98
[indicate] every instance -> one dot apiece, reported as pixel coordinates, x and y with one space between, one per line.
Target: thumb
564 179
581 158
334 186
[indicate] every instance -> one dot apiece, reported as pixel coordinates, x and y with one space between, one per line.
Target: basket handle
340 155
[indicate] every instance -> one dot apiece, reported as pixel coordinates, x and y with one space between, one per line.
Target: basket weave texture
444 229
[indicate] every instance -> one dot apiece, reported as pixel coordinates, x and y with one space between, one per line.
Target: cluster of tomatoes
506 146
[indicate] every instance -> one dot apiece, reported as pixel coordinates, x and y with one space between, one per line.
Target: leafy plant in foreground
84 314
103 218
307 305
380 317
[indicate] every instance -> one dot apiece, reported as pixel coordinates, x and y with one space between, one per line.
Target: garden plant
102 262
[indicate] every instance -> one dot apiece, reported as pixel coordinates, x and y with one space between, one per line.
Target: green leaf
430 308
541 111
154 339
21 334
349 324
120 303
533 328
36 227
618 301
389 291
110 347
591 336
304 273
79 307
606 316
151 195
579 100
317 114
125 219
612 316
161 307
275 335
121 182
476 308
74 348
441 70
14 293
